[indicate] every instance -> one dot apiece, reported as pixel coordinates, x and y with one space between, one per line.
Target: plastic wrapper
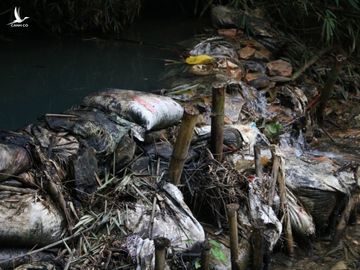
262 214
172 219
148 110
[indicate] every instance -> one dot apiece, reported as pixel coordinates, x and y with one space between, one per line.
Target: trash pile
90 188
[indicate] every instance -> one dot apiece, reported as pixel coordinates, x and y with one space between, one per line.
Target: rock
230 33
279 68
247 52
254 66
339 266
263 54
257 80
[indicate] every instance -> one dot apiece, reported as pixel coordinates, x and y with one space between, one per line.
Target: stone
247 52
230 33
340 266
257 80
263 54
279 68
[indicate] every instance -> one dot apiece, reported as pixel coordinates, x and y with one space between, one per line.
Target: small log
205 255
234 238
161 243
182 144
217 120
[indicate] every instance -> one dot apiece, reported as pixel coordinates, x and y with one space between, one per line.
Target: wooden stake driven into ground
217 120
182 144
161 244
234 238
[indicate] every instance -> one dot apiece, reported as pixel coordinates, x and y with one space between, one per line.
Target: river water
42 75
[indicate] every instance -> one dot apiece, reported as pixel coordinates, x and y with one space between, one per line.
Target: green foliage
273 130
335 21
216 251
80 15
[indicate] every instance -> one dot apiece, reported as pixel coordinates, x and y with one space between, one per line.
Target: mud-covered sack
27 219
8 261
148 110
14 154
94 128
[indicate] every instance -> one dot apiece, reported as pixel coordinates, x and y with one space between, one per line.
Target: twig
152 217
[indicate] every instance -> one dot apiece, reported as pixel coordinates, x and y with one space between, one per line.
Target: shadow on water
45 75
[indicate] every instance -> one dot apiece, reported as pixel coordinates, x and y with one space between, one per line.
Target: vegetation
107 16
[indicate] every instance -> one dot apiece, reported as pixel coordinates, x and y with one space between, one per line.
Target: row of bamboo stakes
176 166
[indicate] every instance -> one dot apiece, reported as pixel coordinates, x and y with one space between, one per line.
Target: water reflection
39 76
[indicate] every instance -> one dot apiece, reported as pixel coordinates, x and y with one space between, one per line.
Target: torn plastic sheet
215 46
172 219
262 214
317 174
300 220
148 110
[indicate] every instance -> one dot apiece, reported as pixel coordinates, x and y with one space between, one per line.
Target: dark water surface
40 75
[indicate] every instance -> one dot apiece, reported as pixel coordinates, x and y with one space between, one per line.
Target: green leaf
273 129
216 251
197 264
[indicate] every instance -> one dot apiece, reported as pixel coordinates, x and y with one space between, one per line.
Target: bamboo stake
205 255
182 144
283 204
274 175
258 165
217 120
161 243
234 239
258 248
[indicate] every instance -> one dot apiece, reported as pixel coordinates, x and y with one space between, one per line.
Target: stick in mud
205 255
217 120
234 239
161 243
182 144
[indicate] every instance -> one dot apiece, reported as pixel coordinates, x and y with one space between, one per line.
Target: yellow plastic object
199 59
